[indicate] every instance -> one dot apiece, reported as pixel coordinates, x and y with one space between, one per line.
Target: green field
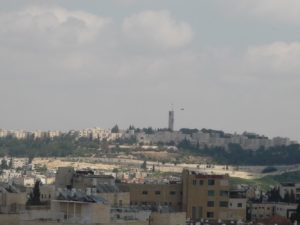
270 180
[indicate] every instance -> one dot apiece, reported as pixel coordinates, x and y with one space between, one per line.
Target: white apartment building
100 133
268 209
4 133
289 188
39 134
54 133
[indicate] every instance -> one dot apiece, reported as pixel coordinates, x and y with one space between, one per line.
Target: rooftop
77 196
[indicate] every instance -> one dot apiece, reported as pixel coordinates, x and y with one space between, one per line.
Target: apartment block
201 196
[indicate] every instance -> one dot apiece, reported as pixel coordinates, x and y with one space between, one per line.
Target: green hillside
269 180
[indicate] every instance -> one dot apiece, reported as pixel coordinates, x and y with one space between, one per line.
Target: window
200 212
194 182
201 182
210 204
211 193
210 215
145 192
193 212
240 205
223 204
157 192
196 213
211 182
224 193
172 192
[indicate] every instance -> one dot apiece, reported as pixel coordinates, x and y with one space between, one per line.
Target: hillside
269 180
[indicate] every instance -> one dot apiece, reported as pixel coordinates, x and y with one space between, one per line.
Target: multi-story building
4 133
100 134
290 189
81 197
155 194
20 134
267 210
40 134
12 200
54 133
68 177
201 196
209 196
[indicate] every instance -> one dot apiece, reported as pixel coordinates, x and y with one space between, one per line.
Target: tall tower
171 120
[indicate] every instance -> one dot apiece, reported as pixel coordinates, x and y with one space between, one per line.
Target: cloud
157 28
126 2
274 63
278 57
52 26
284 11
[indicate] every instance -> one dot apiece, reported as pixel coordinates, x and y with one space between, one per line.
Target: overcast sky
231 64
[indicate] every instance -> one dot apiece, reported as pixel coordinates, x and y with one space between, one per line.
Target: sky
233 65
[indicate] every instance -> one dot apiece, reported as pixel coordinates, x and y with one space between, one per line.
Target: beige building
201 196
205 196
47 193
155 194
80 211
98 185
11 199
68 177
176 218
267 210
115 197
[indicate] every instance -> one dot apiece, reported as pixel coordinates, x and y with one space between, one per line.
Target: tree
274 195
10 166
144 165
286 197
34 198
4 165
115 129
148 130
30 159
292 197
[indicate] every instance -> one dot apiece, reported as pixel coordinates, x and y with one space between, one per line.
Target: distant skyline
233 65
